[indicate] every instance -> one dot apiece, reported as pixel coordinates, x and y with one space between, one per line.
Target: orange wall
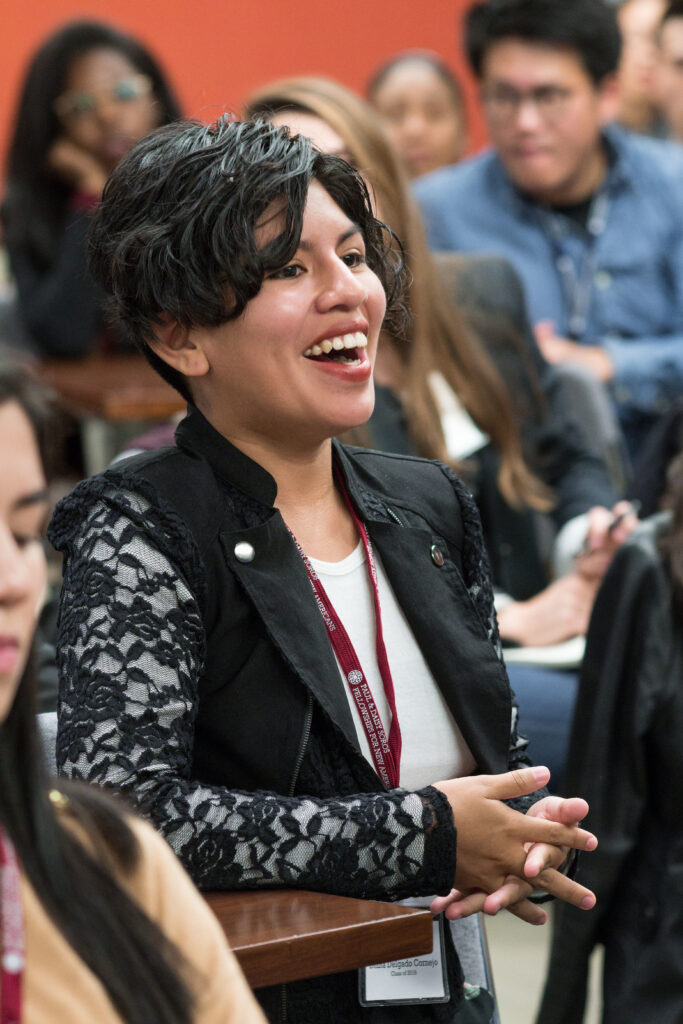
217 50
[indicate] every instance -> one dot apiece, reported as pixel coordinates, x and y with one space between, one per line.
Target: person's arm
167 895
62 306
131 654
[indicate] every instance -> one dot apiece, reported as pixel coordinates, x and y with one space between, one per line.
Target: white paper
413 978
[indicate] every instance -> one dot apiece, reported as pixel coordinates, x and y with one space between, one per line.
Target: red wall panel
217 51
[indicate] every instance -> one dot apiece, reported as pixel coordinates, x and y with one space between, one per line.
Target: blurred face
422 117
545 117
296 367
638 21
323 137
107 106
671 75
22 563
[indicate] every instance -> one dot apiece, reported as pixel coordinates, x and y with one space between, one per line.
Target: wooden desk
106 393
285 935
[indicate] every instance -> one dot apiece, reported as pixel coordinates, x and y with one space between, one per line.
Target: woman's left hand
541 857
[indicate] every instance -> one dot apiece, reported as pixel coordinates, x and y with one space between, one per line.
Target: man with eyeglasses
591 216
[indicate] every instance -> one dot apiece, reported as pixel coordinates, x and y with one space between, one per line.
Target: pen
633 509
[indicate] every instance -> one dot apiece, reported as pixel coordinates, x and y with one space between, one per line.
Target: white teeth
337 344
326 345
361 340
349 340
308 352
356 340
349 361
316 350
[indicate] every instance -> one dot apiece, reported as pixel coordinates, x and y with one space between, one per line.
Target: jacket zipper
393 515
306 732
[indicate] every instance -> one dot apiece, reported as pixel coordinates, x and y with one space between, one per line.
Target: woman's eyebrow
353 230
35 498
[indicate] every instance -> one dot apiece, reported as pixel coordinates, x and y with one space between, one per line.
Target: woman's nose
343 287
15 576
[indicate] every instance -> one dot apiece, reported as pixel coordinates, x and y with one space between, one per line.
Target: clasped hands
503 856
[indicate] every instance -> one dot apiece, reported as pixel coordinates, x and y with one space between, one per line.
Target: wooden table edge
318 952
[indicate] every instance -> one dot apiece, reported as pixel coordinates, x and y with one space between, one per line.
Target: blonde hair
440 340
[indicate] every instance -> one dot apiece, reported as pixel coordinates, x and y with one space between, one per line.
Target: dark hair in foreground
36 201
587 27
429 59
175 233
139 968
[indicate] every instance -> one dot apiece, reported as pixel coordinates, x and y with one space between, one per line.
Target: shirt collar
197 435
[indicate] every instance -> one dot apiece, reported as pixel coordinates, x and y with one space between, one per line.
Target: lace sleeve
131 651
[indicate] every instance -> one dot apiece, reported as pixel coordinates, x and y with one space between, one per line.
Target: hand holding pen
606 532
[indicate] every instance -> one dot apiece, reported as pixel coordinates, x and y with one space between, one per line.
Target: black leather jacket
241 729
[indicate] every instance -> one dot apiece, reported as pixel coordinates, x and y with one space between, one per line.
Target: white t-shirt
433 746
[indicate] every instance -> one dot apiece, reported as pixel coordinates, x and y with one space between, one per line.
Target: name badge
418 979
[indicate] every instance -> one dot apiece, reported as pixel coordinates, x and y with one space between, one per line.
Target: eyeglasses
75 105
503 102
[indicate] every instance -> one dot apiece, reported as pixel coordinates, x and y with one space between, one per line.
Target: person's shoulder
655 162
412 485
456 179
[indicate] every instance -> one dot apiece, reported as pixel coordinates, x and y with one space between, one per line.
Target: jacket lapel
448 630
284 599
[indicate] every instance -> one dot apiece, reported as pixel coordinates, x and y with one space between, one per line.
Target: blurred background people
421 105
560 195
440 395
90 93
639 102
670 69
107 922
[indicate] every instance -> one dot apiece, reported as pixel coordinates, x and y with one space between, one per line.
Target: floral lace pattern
127 708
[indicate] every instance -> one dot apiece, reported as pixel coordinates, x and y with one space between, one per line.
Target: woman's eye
354 259
288 273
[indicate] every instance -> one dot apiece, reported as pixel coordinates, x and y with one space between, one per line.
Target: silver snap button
244 552
603 279
437 555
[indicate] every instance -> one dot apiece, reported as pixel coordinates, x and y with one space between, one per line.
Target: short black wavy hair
175 231
588 27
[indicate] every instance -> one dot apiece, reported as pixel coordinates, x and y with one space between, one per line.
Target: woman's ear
179 347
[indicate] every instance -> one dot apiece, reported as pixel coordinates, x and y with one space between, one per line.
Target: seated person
627 752
422 107
441 396
106 925
277 645
89 94
590 216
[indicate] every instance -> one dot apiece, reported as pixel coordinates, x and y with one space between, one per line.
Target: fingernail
591 843
588 902
540 773
542 921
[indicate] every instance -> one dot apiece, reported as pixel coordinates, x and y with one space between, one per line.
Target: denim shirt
628 261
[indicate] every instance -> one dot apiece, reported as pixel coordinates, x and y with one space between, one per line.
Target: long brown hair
440 340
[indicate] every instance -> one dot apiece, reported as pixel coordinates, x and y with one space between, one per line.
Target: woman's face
422 117
107 106
296 367
23 507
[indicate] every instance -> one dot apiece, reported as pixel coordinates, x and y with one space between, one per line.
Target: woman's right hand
558 613
76 167
494 841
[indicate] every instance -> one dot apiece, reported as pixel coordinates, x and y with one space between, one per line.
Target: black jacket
626 759
266 714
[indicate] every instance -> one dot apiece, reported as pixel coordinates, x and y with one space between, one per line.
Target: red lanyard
13 954
386 752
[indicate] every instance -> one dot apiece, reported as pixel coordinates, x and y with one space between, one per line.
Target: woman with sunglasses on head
98 920
90 93
275 643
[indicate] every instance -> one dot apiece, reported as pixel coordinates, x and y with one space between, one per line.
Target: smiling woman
284 642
